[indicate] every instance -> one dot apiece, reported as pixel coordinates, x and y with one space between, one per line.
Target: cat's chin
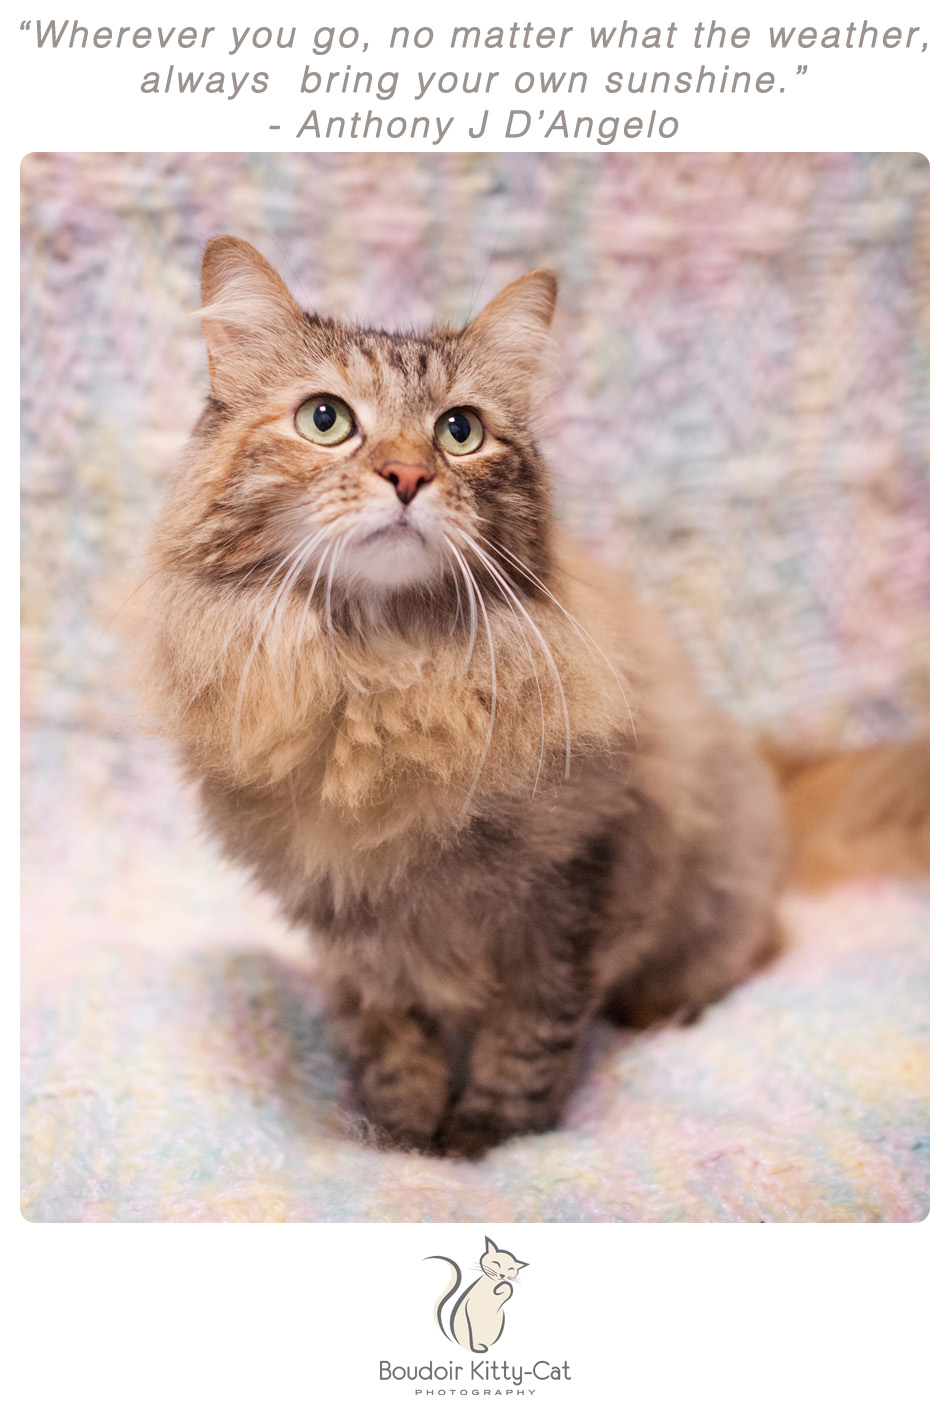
390 558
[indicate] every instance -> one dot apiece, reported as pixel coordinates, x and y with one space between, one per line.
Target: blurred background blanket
739 416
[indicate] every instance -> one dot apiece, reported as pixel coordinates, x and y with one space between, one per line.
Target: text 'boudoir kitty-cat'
483 1371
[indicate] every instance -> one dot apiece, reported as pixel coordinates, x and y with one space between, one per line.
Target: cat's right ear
512 331
247 315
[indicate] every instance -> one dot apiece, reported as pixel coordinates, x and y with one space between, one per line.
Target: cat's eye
459 431
325 420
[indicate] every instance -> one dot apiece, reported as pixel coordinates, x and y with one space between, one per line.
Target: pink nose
406 478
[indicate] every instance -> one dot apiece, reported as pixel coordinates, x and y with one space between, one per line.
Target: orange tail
858 813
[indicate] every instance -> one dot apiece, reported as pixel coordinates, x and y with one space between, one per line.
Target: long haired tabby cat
458 752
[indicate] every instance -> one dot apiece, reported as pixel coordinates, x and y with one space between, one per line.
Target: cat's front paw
469 1137
406 1139
396 1127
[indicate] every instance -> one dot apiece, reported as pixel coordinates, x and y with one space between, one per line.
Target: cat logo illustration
478 1316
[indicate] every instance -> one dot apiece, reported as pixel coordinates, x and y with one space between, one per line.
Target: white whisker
473 584
303 621
507 586
527 649
328 609
245 617
472 611
294 558
458 598
583 633
318 536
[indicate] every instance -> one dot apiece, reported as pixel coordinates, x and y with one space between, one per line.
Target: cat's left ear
513 328
248 316
521 1265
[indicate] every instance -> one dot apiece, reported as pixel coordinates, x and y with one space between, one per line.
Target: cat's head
373 456
498 1264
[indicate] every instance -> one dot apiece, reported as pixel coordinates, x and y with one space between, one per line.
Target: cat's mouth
400 530
394 553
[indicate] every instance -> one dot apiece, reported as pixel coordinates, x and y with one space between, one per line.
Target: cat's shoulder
606 600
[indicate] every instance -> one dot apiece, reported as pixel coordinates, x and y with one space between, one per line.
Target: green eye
459 431
325 420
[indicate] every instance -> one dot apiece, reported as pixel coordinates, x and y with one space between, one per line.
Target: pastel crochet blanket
178 1067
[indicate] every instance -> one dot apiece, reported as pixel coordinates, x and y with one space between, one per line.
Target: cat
457 751
478 1317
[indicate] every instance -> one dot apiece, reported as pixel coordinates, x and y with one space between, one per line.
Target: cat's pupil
324 417
459 427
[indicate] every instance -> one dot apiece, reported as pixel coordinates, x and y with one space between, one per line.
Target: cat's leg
674 988
714 935
712 922
400 1065
522 1061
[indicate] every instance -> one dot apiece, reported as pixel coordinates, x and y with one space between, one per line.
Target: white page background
306 1312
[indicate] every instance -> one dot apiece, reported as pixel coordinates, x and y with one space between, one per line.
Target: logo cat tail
449 1291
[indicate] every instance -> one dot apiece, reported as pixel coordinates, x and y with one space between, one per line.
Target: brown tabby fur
491 835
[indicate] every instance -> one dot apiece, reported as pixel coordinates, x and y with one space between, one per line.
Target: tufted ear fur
513 329
247 315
